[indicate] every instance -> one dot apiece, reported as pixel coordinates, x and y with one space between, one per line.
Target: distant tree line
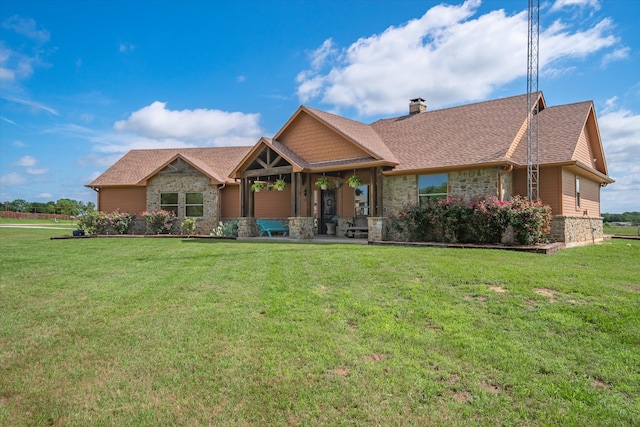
633 217
61 207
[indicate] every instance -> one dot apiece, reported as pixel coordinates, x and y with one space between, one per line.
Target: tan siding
549 189
589 195
583 152
273 204
126 199
315 142
520 182
230 199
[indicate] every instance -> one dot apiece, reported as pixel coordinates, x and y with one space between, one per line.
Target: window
169 202
194 204
361 200
432 187
577 191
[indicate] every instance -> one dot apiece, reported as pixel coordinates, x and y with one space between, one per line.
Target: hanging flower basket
279 185
354 181
257 187
323 183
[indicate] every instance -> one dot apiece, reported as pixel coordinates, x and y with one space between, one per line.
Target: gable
315 142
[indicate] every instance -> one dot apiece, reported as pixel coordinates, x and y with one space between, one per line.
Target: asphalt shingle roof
135 167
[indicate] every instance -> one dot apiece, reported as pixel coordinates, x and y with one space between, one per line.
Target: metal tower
533 56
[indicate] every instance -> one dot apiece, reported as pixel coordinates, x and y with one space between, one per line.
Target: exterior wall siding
182 183
315 142
230 201
584 152
126 199
589 196
273 204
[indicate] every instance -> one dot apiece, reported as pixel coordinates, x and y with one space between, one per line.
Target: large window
169 202
194 204
432 187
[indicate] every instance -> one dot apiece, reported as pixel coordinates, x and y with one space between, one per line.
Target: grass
621 230
191 332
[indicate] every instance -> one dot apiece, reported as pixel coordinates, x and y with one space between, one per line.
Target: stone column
247 227
301 227
377 228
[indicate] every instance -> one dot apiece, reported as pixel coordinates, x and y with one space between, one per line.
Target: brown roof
559 132
465 135
137 166
490 132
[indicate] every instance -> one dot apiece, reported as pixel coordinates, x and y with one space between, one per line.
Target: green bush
159 221
228 228
103 223
188 226
484 220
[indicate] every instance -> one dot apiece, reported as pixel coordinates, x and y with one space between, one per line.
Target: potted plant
257 186
354 181
279 185
323 183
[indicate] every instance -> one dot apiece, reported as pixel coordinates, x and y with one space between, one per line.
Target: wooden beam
253 173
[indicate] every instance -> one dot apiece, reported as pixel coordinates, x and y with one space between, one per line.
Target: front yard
193 332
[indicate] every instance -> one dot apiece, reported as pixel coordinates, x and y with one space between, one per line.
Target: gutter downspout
500 175
219 197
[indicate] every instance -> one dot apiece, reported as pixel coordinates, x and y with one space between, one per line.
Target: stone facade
377 229
301 227
576 231
186 180
247 227
400 191
475 183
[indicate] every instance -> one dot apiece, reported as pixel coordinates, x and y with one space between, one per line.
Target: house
471 150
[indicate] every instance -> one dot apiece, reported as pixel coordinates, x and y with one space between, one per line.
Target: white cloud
620 132
26 27
616 55
446 56
126 47
33 105
12 178
155 124
559 4
26 161
45 196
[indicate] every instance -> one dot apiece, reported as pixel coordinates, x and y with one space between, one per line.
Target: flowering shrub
159 221
188 226
484 220
103 223
530 220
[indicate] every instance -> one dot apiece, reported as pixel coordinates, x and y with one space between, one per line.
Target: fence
32 215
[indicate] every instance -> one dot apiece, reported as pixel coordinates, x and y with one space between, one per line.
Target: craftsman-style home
471 150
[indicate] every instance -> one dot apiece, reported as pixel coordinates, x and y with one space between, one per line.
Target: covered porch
277 184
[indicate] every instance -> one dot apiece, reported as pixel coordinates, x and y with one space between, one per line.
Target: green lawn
211 332
620 230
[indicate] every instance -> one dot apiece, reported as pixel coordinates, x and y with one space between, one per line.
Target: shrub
484 220
103 223
226 229
530 221
159 221
188 226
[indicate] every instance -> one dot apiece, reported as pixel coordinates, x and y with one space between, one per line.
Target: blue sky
83 82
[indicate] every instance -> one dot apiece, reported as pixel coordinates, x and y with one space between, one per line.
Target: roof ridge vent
417 105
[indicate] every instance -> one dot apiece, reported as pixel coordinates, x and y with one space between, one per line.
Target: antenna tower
533 56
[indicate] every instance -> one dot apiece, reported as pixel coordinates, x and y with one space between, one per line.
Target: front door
327 212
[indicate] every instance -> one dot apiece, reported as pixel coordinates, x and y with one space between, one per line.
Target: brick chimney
417 105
